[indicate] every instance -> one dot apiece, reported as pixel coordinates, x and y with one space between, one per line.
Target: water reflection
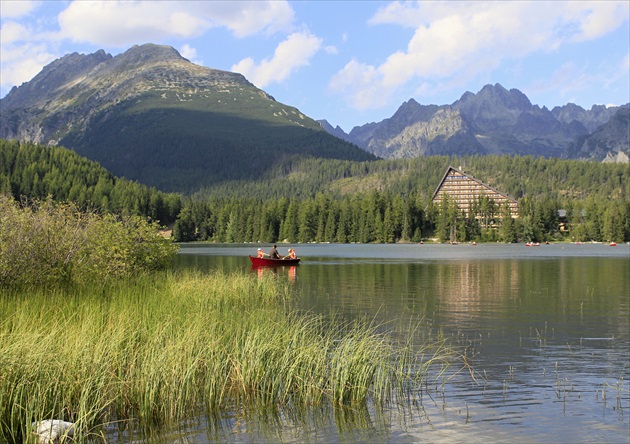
549 337
289 271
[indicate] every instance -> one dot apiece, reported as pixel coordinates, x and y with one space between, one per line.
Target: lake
546 329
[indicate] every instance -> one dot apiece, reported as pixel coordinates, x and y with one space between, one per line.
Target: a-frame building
464 190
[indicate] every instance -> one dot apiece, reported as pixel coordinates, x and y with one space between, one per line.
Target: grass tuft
163 348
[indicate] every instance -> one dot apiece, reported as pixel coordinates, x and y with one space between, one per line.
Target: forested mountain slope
327 200
390 201
38 172
518 176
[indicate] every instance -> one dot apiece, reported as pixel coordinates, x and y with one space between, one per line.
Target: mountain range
151 115
496 121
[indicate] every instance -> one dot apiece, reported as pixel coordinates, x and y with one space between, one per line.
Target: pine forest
324 200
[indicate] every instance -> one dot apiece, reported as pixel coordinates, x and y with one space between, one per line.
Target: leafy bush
43 243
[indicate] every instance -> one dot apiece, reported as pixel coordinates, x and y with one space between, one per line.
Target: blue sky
350 62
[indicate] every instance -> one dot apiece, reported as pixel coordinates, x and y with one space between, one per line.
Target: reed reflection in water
547 330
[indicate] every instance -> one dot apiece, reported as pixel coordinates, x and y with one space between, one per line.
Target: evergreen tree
508 232
306 221
388 232
184 228
345 221
613 224
290 226
331 222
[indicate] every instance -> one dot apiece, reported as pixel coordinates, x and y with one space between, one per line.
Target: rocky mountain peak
150 52
411 111
68 69
492 121
138 69
150 114
609 142
71 90
408 106
591 119
496 96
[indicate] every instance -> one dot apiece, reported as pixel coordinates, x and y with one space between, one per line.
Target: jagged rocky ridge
494 121
609 142
72 89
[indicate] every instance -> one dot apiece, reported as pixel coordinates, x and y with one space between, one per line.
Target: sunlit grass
164 347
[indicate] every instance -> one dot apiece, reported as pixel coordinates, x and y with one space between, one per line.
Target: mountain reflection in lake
547 328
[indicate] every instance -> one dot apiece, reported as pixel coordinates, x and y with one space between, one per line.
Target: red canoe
265 261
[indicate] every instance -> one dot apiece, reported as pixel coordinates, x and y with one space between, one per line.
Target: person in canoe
273 253
261 253
291 254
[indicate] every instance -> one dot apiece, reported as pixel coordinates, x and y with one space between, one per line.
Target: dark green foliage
366 217
516 176
45 243
185 147
390 201
38 171
329 200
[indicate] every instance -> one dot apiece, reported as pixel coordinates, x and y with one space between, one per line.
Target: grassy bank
162 348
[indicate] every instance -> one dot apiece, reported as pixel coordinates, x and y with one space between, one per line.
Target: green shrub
43 243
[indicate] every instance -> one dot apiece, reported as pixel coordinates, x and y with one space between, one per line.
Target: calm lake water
547 328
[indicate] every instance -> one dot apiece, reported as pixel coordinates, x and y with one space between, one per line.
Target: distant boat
269 262
613 244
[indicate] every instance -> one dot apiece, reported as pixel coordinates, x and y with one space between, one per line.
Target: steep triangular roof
451 168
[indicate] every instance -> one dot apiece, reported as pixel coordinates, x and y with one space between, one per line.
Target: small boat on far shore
269 262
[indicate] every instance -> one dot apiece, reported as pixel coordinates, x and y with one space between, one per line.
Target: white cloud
17 8
120 24
625 64
455 42
12 32
123 23
570 79
369 95
597 18
16 68
565 80
295 51
190 53
246 18
24 48
618 72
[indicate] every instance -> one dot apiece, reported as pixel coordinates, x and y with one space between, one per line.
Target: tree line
390 201
388 218
38 171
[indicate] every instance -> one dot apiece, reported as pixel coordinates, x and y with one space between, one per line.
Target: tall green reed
162 348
